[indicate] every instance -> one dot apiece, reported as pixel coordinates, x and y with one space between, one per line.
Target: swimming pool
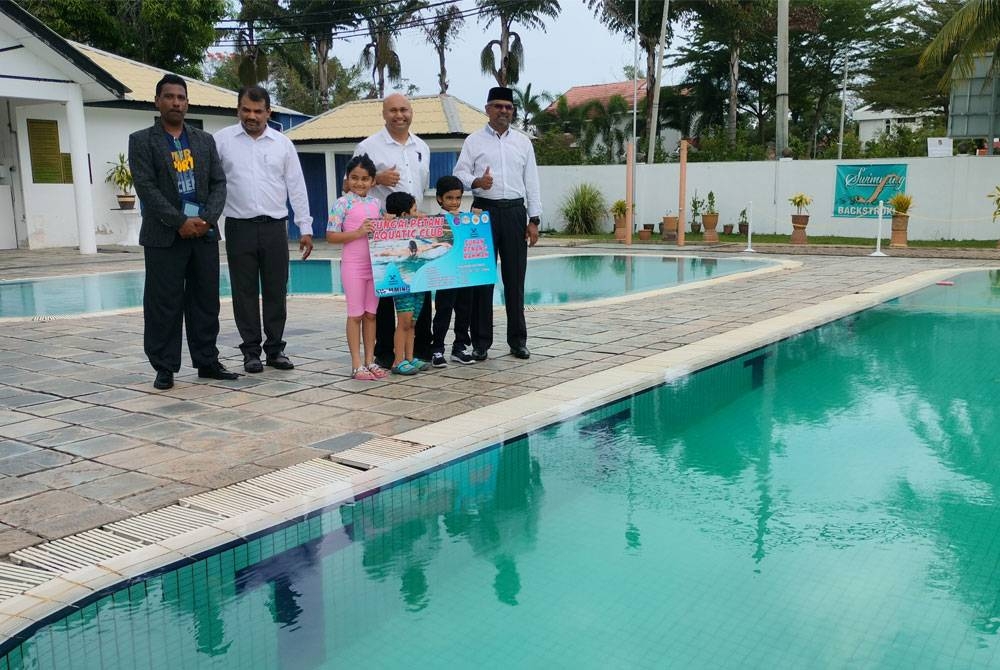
827 501
550 280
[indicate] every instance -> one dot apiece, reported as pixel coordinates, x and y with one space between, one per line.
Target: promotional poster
859 188
410 255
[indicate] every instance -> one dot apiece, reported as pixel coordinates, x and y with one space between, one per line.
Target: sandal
404 368
378 371
363 374
420 365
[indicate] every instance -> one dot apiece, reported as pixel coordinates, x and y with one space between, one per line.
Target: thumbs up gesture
387 177
485 182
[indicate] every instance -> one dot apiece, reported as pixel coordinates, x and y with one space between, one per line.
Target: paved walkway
86 440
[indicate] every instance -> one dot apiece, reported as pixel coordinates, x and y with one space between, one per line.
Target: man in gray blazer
180 182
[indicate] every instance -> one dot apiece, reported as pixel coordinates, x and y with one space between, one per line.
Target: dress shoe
520 351
164 380
217 371
253 365
280 362
479 354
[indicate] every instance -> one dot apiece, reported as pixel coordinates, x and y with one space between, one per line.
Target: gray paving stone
30 427
10 448
73 474
115 487
15 488
49 409
100 445
34 461
13 540
158 497
57 438
147 454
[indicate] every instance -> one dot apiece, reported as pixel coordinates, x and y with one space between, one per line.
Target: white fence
949 194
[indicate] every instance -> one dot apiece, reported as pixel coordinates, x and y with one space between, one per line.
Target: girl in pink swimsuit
349 224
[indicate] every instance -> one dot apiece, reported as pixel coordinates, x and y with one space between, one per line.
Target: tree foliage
169 34
974 29
503 58
383 19
448 21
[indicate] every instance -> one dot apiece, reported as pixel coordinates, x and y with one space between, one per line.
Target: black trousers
385 329
257 252
509 223
446 302
181 291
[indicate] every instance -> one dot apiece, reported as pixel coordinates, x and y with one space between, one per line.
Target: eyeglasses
501 107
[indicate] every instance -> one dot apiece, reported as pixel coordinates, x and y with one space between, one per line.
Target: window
48 165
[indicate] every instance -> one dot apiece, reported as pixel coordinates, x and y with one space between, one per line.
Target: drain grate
163 523
376 452
16 579
76 551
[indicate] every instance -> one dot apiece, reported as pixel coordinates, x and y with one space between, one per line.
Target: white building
872 122
66 111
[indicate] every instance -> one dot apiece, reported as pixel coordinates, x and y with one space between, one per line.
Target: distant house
66 111
873 122
326 142
630 90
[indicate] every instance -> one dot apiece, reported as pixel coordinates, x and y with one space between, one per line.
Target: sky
575 50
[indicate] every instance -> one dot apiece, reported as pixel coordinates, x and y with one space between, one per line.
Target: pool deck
85 440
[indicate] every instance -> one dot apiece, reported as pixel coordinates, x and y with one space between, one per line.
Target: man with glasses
498 164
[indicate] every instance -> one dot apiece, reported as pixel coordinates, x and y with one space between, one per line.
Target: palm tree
383 21
974 30
448 21
506 12
606 128
318 21
529 105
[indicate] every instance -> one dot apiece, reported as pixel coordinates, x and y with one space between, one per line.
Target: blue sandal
404 368
420 365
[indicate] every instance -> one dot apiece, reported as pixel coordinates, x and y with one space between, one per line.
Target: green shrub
584 210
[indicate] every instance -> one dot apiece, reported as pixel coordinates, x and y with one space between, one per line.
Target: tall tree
318 21
895 79
973 30
606 128
383 21
169 34
529 13
448 21
529 105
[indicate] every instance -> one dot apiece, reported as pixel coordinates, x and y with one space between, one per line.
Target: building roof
142 78
580 95
37 35
433 116
870 113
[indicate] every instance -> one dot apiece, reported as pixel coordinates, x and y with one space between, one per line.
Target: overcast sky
576 50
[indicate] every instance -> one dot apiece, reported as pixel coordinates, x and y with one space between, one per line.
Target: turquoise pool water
549 281
826 502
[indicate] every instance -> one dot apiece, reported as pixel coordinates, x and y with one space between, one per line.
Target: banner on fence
859 188
410 255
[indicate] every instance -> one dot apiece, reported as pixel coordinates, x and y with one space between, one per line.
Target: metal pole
843 110
781 104
654 111
749 227
635 118
878 239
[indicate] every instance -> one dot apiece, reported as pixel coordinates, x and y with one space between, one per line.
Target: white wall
49 209
949 194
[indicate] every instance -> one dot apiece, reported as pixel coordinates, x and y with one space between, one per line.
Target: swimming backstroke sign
426 253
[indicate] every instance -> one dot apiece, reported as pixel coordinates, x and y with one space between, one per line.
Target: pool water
826 502
553 280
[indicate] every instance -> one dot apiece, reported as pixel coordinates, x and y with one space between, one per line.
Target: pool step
377 451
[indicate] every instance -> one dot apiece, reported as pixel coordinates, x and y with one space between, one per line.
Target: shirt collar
389 140
268 132
493 133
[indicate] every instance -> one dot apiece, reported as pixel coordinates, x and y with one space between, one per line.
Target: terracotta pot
799 222
727 229
126 200
646 233
711 222
695 226
744 228
668 228
619 227
899 224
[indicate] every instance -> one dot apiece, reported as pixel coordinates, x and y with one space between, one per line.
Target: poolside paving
85 440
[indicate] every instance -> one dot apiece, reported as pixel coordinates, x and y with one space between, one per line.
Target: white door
8 236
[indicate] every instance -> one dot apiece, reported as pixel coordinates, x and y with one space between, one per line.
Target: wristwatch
535 220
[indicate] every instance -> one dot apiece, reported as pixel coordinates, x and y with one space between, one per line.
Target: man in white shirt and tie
498 164
403 163
263 172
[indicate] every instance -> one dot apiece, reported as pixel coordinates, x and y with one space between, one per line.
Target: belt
257 219
488 203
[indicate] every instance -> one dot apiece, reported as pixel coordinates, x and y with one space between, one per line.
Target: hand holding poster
410 255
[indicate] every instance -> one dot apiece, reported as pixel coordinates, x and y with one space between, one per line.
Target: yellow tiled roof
142 78
432 115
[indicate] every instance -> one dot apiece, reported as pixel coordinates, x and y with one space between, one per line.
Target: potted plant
799 220
584 210
900 204
619 211
668 227
696 205
710 219
744 222
120 176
